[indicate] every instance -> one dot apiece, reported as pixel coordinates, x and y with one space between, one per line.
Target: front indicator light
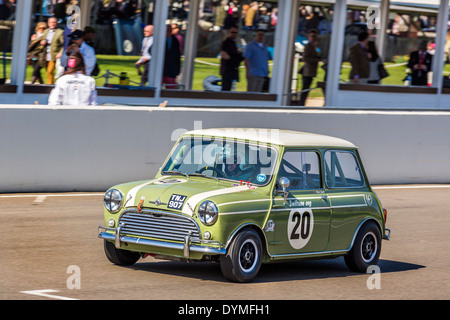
207 235
111 223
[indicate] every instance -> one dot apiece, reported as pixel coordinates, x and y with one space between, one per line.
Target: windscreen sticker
176 201
261 177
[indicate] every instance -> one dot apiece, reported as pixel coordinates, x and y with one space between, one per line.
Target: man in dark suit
420 64
359 59
309 69
230 60
172 60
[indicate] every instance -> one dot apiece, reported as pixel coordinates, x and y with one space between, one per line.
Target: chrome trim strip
307 253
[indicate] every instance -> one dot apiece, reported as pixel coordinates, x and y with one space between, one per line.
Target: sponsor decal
270 226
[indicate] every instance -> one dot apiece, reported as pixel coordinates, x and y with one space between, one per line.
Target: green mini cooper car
244 197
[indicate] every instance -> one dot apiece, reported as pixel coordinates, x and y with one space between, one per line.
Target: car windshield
223 159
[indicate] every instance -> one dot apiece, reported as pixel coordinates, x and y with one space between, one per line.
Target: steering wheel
219 173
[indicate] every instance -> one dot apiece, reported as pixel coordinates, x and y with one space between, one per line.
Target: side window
342 170
302 169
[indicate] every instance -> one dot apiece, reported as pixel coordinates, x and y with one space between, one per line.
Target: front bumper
186 247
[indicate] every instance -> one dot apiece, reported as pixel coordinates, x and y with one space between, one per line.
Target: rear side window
342 170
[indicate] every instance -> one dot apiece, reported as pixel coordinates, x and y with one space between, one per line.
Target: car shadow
274 272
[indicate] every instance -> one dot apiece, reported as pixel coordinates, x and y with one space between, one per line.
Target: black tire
119 256
366 248
243 258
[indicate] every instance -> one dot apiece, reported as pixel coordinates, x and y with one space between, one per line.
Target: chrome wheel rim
248 255
369 247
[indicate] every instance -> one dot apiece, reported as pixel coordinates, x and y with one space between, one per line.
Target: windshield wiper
202 175
176 172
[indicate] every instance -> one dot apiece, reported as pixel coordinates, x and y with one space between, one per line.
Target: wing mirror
283 183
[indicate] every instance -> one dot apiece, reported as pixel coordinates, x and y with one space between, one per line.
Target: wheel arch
365 221
252 226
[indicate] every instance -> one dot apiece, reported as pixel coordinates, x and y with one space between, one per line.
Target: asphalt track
50 251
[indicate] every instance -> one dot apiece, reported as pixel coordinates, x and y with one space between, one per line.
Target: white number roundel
300 227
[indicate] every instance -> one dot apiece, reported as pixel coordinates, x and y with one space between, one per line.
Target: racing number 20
300 227
304 222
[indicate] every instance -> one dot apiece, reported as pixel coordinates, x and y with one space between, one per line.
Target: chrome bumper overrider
186 246
388 235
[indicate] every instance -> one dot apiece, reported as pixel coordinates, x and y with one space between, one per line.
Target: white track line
51 195
45 293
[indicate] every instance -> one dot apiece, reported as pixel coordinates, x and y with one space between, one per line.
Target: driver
236 170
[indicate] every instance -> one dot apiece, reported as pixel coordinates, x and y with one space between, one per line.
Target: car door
348 194
301 217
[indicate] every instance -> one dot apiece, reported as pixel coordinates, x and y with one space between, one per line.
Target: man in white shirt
73 90
86 50
144 60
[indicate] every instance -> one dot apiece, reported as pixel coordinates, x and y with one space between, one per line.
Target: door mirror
284 183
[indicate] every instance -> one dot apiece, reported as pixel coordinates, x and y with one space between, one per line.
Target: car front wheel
119 256
243 258
366 249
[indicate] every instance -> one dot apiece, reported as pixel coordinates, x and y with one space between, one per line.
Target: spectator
172 60
359 59
176 33
144 60
5 9
37 53
256 62
74 88
88 53
230 60
53 40
420 64
311 60
89 36
251 15
374 61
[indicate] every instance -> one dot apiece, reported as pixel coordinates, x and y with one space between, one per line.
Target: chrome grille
164 226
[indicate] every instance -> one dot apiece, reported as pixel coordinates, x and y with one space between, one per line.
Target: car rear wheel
119 256
366 248
243 258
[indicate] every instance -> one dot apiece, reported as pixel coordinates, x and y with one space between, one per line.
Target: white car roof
282 137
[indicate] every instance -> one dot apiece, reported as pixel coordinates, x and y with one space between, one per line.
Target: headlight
208 213
113 200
